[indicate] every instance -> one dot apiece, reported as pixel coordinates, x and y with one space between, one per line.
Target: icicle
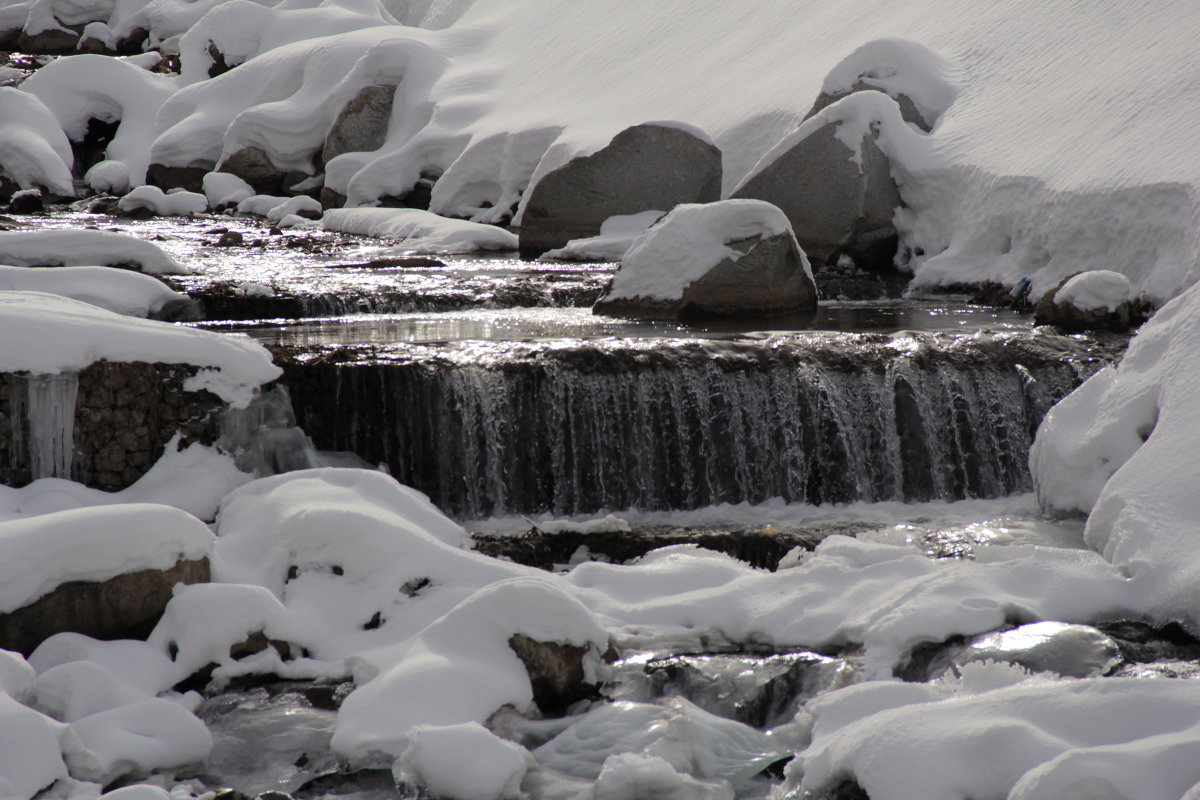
47 407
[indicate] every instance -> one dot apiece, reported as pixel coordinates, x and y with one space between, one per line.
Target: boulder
556 673
254 166
126 605
736 258
839 198
190 177
53 41
650 166
362 124
1096 300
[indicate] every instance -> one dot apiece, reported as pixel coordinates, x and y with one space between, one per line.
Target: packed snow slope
1070 144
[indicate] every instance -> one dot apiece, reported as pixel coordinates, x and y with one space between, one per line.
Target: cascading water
521 427
43 423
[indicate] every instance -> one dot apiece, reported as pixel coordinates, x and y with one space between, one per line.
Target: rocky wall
124 414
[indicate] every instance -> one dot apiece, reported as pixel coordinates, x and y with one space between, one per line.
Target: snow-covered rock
731 258
433 760
117 290
617 235
150 734
645 167
1098 299
30 759
834 181
224 190
161 203
63 335
79 248
33 149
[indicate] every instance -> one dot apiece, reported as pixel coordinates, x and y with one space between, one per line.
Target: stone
254 166
190 177
769 275
837 206
27 202
908 109
54 41
645 167
555 671
1056 308
362 124
127 605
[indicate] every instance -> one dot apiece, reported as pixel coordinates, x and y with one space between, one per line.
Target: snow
117 290
29 755
691 240
433 759
149 734
899 68
617 235
33 149
422 231
1035 739
78 89
63 335
1095 289
78 689
224 189
163 204
81 248
43 552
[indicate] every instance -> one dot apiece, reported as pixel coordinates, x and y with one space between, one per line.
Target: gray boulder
644 167
362 124
663 274
254 166
908 109
837 205
127 605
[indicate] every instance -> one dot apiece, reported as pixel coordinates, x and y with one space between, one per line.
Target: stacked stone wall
125 413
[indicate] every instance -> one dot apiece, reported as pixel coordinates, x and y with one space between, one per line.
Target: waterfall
42 423
489 428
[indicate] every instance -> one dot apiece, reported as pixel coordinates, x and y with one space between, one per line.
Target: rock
126 605
190 177
645 167
29 201
908 109
254 166
730 259
54 41
1096 300
362 124
555 672
839 202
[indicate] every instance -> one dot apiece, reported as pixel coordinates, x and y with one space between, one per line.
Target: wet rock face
768 278
555 672
362 124
124 415
254 166
190 177
836 206
127 605
644 167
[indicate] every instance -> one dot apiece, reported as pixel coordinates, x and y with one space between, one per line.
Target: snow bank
433 760
33 150
62 335
41 553
422 231
1100 737
81 88
81 248
690 241
1121 448
140 737
29 755
117 290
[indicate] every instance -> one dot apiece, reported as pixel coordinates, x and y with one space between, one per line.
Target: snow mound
41 553
422 231
224 190
433 760
901 68
82 248
117 290
1036 739
690 241
78 89
29 753
1121 449
140 737
78 689
62 335
156 200
1095 289
33 150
